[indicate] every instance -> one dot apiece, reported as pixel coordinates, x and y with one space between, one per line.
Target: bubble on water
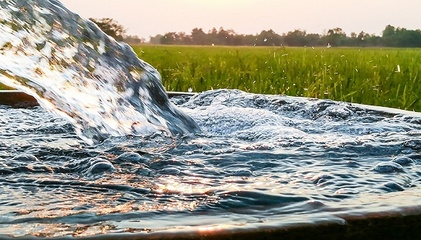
322 179
388 167
403 161
130 157
169 171
240 173
346 191
93 167
29 158
393 187
413 143
100 167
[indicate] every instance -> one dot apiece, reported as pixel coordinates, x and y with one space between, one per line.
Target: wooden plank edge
16 98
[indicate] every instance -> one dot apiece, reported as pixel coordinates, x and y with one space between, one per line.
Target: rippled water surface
259 161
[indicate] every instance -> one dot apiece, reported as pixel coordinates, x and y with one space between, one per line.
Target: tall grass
383 77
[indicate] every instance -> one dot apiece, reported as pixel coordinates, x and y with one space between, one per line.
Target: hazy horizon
147 18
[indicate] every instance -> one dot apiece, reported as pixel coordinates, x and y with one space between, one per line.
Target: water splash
76 70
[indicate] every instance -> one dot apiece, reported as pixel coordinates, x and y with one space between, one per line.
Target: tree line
112 28
391 37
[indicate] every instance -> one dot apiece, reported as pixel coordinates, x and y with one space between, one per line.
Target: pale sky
146 18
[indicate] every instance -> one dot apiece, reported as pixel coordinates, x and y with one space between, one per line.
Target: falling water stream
108 153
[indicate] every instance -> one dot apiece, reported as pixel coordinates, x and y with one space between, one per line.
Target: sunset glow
151 17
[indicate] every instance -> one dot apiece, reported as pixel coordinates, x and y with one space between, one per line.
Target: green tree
133 40
389 31
268 38
156 39
362 39
110 27
296 38
169 38
226 37
408 38
335 37
199 37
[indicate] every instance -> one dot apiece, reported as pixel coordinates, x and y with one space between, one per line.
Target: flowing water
120 158
77 71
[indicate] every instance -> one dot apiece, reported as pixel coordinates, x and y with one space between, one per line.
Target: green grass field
383 77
